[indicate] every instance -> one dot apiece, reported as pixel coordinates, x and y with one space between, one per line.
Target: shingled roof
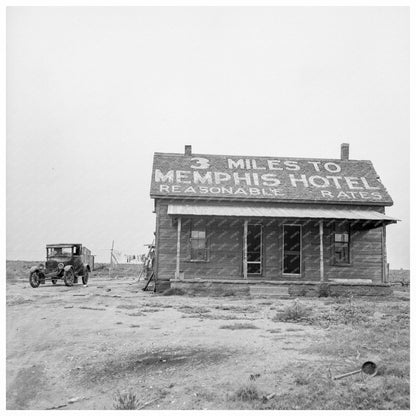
253 178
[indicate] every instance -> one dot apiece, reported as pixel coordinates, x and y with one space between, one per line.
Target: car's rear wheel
69 277
85 277
34 279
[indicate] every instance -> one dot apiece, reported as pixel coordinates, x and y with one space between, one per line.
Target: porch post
245 249
384 273
321 248
178 248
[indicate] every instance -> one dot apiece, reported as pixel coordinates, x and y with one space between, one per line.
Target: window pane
254 268
253 256
342 228
197 234
342 243
198 254
197 243
341 253
341 238
254 238
291 236
291 263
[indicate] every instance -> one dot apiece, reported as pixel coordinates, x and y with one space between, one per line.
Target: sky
93 92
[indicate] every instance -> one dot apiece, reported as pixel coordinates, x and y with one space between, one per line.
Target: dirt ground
84 347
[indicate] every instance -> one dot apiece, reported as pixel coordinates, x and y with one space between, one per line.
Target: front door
292 245
254 249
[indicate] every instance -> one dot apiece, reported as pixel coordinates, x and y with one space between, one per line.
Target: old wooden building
269 220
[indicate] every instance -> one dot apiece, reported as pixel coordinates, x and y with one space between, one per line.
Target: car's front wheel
69 277
85 277
34 279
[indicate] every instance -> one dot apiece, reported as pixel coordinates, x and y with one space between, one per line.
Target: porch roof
278 212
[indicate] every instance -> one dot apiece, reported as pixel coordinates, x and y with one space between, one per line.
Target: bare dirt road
81 347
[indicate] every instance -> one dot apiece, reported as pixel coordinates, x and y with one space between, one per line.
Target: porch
251 244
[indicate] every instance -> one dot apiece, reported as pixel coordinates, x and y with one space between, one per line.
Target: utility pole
111 259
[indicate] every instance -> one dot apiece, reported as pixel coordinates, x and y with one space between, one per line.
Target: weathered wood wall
225 243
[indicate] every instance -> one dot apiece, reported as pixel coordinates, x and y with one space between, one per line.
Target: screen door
254 249
292 249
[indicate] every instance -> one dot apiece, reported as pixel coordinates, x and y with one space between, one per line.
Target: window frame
201 228
335 262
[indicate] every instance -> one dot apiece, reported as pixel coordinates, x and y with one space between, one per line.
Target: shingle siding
251 178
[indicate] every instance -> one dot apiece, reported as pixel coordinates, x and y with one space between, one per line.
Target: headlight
41 266
60 266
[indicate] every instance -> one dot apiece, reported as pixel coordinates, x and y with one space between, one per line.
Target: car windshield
59 251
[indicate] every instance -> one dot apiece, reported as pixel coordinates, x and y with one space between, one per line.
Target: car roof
63 245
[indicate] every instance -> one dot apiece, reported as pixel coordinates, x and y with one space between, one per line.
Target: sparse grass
17 270
402 288
216 292
18 301
196 315
139 313
220 317
293 313
401 276
122 306
301 379
101 267
173 291
356 335
246 393
345 313
239 325
154 305
237 308
194 309
226 293
151 310
126 401
91 308
327 313
324 394
230 317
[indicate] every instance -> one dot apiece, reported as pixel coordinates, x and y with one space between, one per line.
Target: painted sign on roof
266 178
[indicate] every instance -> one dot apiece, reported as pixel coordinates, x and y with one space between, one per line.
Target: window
341 244
59 251
291 249
198 243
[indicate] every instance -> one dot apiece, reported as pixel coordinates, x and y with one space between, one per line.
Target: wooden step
272 291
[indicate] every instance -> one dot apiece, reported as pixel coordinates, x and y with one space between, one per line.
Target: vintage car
64 262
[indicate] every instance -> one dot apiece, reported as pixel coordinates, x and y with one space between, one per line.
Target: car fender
67 268
87 267
34 269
